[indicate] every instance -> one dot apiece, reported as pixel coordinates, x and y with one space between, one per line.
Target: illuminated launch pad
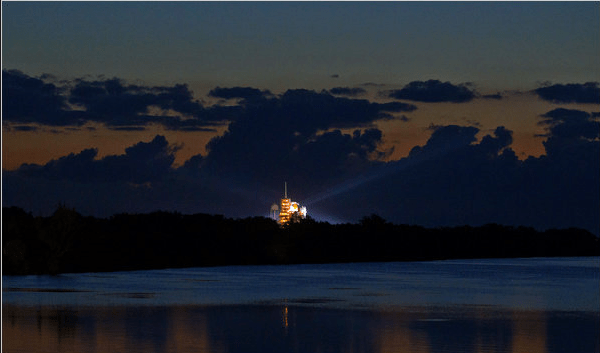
289 210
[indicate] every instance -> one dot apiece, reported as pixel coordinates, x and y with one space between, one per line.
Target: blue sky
498 46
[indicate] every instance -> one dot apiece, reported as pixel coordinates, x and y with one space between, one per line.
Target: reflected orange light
49 329
52 329
285 317
529 334
398 337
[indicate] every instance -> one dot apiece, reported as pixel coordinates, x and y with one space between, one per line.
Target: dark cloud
447 137
108 101
397 107
192 167
48 77
565 115
278 139
141 163
454 180
30 100
128 128
321 110
238 92
347 91
569 123
122 106
289 137
572 134
571 93
179 127
497 96
114 103
335 155
335 76
434 91
24 128
494 145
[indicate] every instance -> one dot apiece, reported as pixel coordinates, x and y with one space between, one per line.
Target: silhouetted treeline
70 242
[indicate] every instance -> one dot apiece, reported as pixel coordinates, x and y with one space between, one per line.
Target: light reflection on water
257 328
524 305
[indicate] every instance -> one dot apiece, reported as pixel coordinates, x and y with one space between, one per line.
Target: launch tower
290 209
284 210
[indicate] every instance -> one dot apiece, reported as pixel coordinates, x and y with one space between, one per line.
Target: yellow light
284 214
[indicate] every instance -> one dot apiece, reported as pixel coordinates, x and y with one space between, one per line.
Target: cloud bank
326 147
142 163
238 92
111 102
571 93
451 180
434 91
454 180
122 106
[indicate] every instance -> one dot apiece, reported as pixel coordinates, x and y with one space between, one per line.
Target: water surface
511 305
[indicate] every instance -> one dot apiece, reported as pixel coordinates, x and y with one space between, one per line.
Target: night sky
436 114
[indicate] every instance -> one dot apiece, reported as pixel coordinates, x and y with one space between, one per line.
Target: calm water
513 305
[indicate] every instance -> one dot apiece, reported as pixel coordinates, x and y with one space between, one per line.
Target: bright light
303 211
289 208
294 207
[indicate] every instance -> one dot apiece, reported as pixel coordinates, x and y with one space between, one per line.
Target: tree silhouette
58 233
68 242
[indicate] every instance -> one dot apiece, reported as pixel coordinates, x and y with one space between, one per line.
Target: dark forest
68 242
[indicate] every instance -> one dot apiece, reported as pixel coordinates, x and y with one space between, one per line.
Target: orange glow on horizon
519 113
48 143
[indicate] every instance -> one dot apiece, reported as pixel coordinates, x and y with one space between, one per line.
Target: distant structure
274 214
289 209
